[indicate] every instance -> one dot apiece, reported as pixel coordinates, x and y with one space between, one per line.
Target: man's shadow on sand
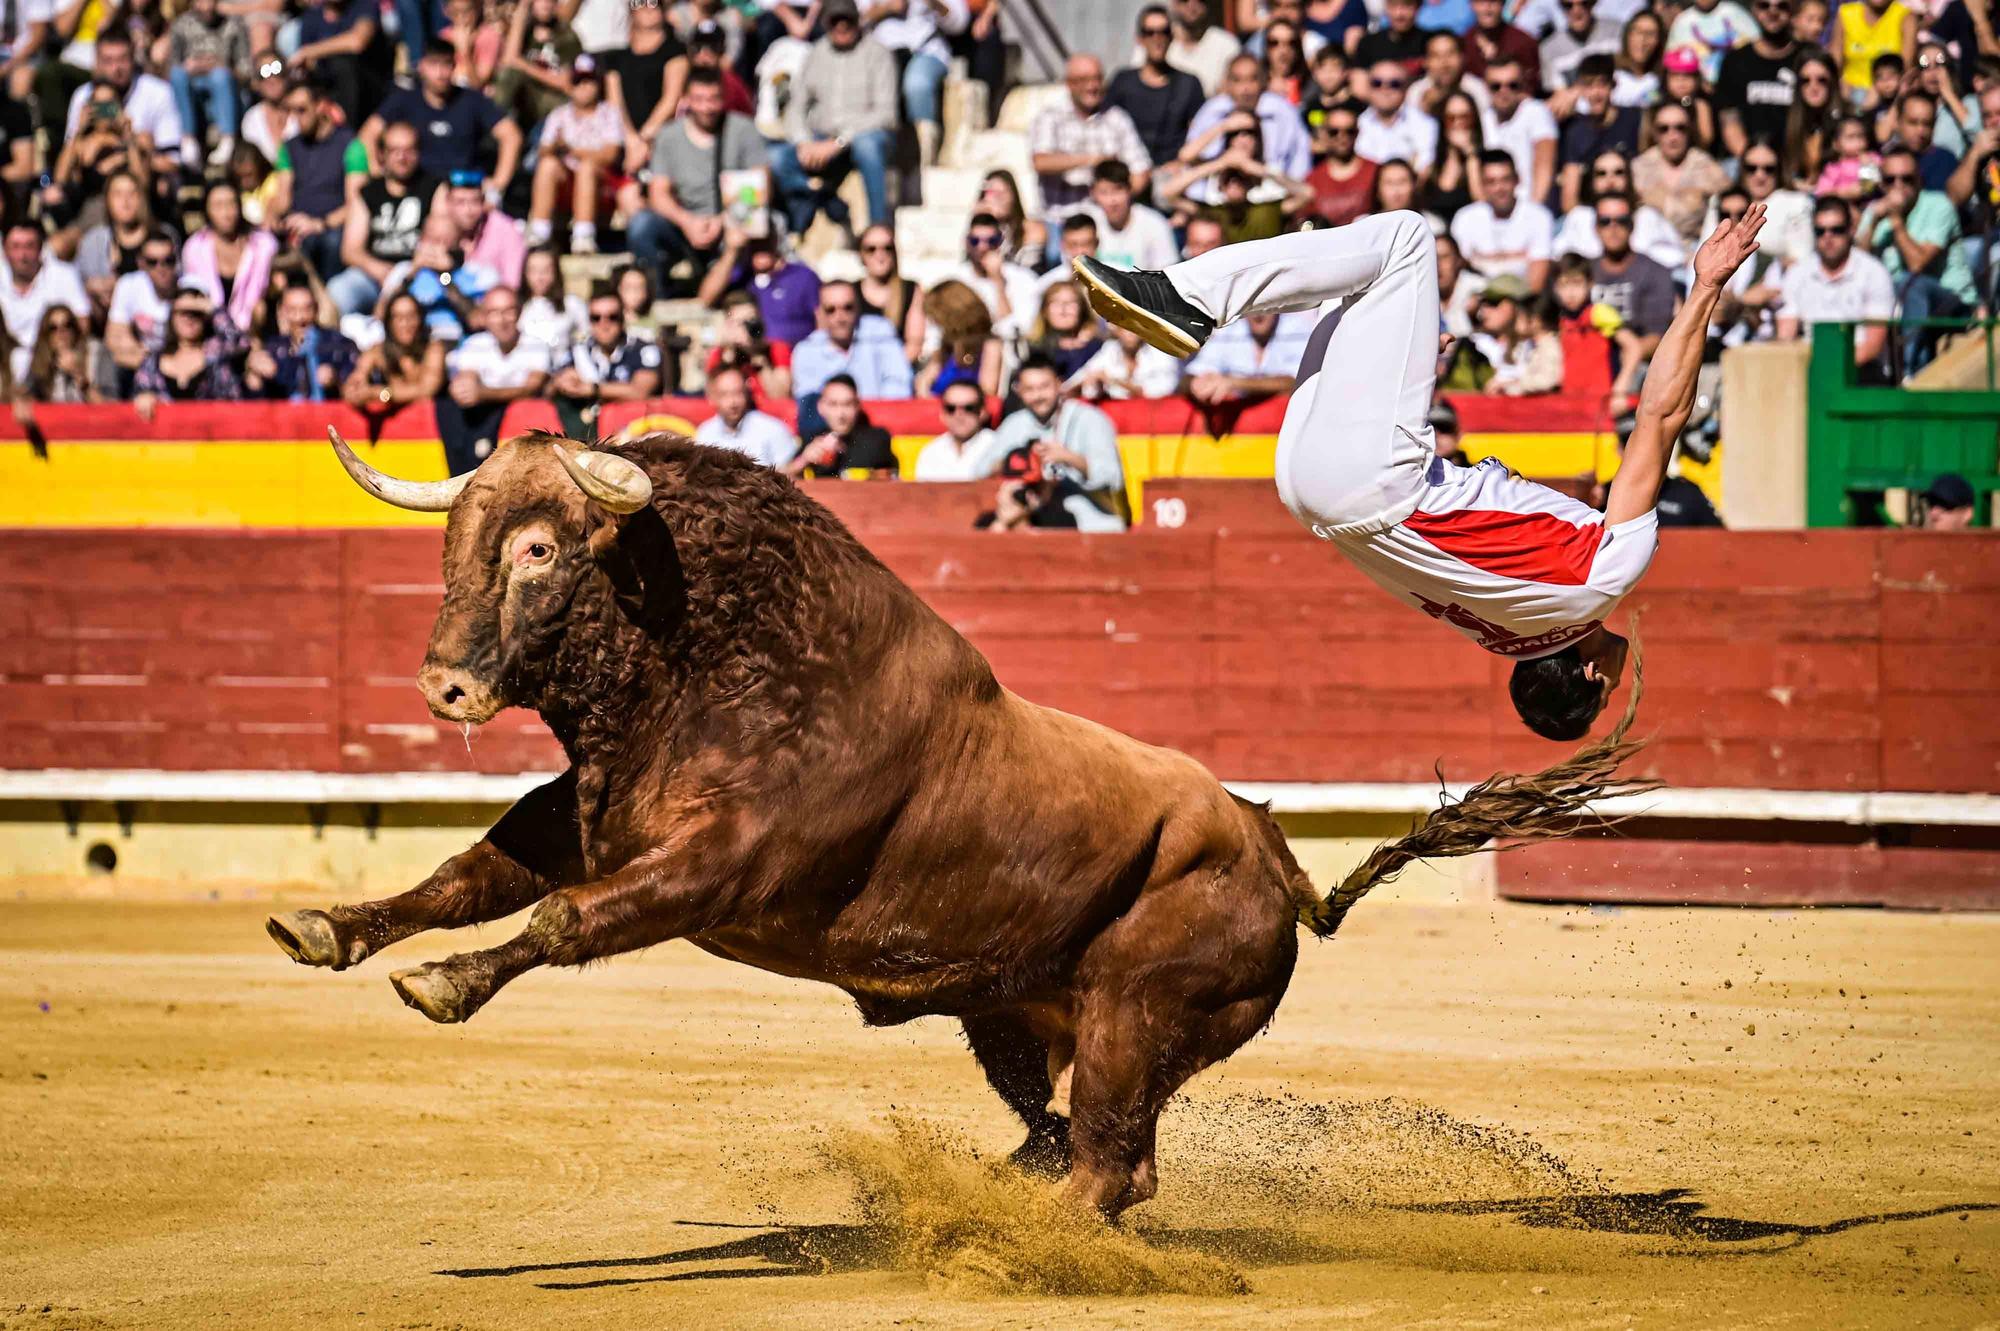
800 1250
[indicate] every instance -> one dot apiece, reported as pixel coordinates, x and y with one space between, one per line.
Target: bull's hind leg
1016 1062
533 849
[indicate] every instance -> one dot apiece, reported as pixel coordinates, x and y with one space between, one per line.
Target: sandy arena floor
1606 1119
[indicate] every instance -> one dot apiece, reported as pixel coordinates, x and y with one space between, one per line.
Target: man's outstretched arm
1668 397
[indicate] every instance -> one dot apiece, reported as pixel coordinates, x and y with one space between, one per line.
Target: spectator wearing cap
1948 504
1067 141
35 281
706 48
207 52
1200 46
1287 146
1595 126
1711 29
953 455
1160 99
315 168
1073 444
1129 234
645 80
920 31
1521 125
740 427
582 146
864 348
301 361
684 216
199 357
845 440
152 122
452 123
1493 39
1582 33
841 118
607 366
383 222
335 39
494 247
1392 127
1248 361
492 368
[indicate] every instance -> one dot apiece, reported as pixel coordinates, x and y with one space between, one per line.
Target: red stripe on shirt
1533 547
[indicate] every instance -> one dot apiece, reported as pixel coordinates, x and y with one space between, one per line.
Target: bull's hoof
1045 1155
309 938
433 990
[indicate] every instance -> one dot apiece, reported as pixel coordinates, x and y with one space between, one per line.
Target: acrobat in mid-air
1521 569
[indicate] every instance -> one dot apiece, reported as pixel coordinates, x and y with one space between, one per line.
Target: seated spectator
268 122
865 349
1399 40
1711 29
1455 180
787 293
1957 118
953 455
1754 90
1652 235
534 76
1813 23
65 365
383 222
966 350
1787 232
110 249
1518 338
1916 127
250 172
206 52
1069 141
1458 289
1125 367
1809 129
1601 356
645 80
314 168
199 358
229 257
1681 83
684 217
1444 74
1344 180
739 427
406 366
1200 47
741 344
1855 170
1129 234
1009 290
1159 99
1744 312
1250 199
453 124
841 118
139 303
1636 72
607 366
1332 86
1838 284
1492 41
1948 504
1066 332
634 286
1597 126
1640 290
884 289
1284 60
1505 233
708 47
1392 128
1203 234
1521 126
1975 187
582 145
434 277
846 440
489 370
1287 146
1079 237
494 247
1027 237
920 34
1248 361
1582 34
301 362
146 129
1396 189
1915 232
35 281
1674 177
337 39
1074 445
103 147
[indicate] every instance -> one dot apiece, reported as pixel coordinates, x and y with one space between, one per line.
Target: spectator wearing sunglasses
1674 176
1838 284
1392 127
607 366
1915 232
1652 235
1160 99
1758 82
863 347
1521 125
1787 234
65 365
1640 290
954 455
1594 124
1010 291
314 168
139 303
199 357
1287 146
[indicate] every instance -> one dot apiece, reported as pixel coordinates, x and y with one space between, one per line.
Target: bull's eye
532 551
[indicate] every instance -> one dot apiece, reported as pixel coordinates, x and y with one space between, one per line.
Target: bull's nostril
452 693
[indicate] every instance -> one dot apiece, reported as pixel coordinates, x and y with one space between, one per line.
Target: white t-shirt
945 459
555 325
480 354
1023 297
1652 235
1517 136
757 436
602 25
1146 242
1496 245
135 301
149 105
1861 290
1412 136
56 283
1517 567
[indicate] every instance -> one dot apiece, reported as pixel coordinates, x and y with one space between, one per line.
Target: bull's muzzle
456 694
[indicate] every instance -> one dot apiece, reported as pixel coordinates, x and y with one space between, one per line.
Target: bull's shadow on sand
831 1249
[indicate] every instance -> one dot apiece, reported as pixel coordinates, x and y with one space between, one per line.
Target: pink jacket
253 274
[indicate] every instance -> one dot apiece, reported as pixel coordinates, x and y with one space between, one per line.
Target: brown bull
779 753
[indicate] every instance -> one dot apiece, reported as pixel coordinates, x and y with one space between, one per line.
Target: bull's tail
1520 809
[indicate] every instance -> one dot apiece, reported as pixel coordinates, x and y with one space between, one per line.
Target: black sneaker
1144 303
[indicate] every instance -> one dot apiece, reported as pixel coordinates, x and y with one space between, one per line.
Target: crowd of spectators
369 201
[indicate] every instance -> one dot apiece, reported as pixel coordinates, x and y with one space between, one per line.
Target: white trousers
1356 444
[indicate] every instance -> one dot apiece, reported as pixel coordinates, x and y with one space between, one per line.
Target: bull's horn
617 485
421 496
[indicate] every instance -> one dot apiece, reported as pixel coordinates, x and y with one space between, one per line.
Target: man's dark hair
984 219
845 379
606 290
115 37
1571 265
706 76
441 48
1554 697
1151 11
1887 60
1112 172
1624 196
1900 150
1733 192
1448 35
1918 95
1498 157
1036 360
1078 222
1596 66
1832 203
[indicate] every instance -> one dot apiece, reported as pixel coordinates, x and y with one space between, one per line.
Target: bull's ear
616 485
638 557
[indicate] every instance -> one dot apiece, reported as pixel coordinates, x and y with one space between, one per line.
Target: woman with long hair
1461 138
1395 187
1636 75
65 365
229 255
967 352
1285 59
199 359
549 314
110 249
1652 235
1816 109
885 291
250 171
405 366
1066 331
1027 239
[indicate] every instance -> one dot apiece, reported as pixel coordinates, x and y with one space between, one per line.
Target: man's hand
822 452
636 153
1727 247
992 264
703 232
466 390
815 155
569 383
260 363
1054 454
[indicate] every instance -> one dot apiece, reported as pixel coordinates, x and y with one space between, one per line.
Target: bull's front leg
535 848
657 897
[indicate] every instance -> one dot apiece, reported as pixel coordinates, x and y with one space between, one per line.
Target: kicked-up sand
1463 1117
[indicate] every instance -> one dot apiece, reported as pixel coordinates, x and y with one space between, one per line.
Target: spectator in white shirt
1009 290
1200 47
148 101
489 370
1522 126
739 428
1079 237
35 282
1837 284
1249 360
956 454
1125 367
1504 233
1129 234
1392 127
139 302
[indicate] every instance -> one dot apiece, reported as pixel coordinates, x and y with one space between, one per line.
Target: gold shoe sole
1114 308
